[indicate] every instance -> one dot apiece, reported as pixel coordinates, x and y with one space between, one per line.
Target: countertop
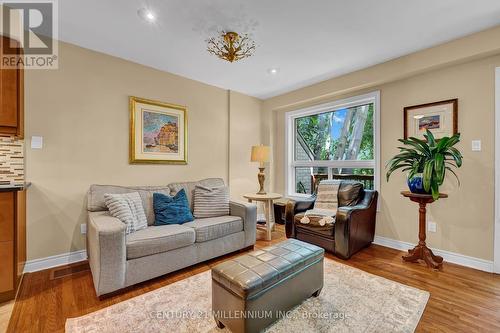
13 188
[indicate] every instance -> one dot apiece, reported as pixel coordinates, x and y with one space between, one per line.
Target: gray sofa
118 260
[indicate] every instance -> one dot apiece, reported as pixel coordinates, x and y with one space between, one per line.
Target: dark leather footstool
252 291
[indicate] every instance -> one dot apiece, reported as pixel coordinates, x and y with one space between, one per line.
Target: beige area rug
351 301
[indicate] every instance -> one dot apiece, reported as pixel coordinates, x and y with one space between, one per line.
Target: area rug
351 301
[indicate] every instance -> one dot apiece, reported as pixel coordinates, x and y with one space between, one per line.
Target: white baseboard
54 261
456 258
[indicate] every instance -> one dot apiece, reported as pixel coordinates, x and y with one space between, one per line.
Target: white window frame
291 164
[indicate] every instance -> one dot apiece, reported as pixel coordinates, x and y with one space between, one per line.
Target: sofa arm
106 251
355 226
248 212
294 207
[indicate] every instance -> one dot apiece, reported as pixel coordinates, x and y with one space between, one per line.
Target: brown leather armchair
354 226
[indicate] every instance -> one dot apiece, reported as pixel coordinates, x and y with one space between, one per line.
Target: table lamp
260 154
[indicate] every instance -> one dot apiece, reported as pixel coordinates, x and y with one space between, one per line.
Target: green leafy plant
430 157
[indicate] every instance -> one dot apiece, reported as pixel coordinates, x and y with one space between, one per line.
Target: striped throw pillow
327 195
127 207
211 201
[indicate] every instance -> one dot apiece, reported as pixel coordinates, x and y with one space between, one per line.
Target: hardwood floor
5 312
462 299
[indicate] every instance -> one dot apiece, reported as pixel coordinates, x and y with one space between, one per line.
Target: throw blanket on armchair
326 204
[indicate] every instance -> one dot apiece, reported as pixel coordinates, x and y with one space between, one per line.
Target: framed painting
438 117
158 132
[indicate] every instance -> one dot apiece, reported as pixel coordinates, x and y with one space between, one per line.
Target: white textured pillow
127 207
327 195
211 202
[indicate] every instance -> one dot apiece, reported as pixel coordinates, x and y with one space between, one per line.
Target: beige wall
245 132
81 110
465 220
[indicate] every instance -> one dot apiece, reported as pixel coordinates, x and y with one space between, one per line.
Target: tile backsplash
11 161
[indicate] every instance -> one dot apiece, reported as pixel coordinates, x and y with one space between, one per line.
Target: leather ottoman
252 291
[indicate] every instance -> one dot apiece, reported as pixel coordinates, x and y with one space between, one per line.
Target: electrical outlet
431 226
83 229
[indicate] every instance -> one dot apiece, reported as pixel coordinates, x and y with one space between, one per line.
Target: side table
421 251
279 210
267 200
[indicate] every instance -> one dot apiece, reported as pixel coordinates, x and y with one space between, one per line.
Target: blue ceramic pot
416 184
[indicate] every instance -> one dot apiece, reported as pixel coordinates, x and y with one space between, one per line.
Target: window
337 140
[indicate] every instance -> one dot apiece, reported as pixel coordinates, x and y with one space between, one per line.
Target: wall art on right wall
441 118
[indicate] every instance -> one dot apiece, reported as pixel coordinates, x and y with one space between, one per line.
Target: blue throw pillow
171 210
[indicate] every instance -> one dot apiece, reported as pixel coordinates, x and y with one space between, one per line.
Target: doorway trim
496 244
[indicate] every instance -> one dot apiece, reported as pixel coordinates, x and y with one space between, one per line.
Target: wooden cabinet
6 274
12 241
20 233
7 216
11 96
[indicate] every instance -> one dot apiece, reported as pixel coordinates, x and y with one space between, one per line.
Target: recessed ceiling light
146 14
273 71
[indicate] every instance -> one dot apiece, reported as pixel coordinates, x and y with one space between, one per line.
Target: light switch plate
36 142
83 229
476 145
431 226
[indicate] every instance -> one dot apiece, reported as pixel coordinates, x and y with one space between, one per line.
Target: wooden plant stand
421 251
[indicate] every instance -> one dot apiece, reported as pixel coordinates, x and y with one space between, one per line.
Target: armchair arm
106 251
294 207
355 226
248 212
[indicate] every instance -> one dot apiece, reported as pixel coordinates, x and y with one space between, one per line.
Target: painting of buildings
160 132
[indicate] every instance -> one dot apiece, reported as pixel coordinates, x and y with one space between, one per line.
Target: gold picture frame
158 132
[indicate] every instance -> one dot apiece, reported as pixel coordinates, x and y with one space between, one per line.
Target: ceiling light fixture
146 14
273 71
230 46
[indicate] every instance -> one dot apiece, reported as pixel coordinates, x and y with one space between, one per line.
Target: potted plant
426 162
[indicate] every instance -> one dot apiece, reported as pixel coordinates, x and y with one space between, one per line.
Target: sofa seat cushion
215 227
327 230
158 239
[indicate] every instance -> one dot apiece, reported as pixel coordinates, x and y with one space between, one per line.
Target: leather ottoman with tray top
252 291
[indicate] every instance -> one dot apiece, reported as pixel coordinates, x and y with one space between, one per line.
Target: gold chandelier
230 46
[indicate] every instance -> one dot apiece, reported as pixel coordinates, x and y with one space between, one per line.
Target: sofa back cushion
95 197
189 187
350 193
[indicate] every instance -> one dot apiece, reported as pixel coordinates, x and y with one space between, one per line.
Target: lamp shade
260 154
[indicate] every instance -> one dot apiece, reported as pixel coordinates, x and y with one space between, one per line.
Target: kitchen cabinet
11 95
12 240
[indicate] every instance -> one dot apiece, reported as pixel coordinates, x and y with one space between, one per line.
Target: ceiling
308 40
